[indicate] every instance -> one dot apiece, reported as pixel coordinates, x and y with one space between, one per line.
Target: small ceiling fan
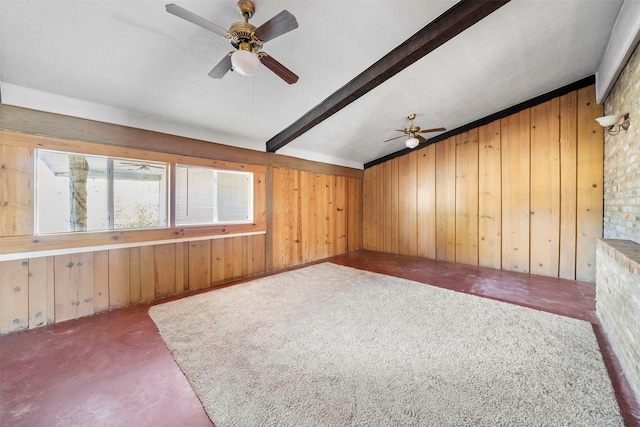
247 39
413 131
137 166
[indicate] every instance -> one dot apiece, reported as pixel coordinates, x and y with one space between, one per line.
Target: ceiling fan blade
276 26
421 139
402 130
180 12
387 140
280 70
433 130
221 68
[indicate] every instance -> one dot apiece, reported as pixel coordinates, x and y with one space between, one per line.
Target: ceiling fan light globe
245 62
412 142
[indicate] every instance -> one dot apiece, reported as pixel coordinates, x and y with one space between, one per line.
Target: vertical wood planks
367 209
386 207
118 278
317 215
291 227
354 214
411 203
446 200
260 196
314 232
568 184
380 233
466 205
545 188
16 191
257 254
147 274
217 261
590 154
489 196
14 295
404 196
305 224
41 298
269 212
279 217
73 277
295 218
51 291
164 269
376 227
340 211
407 204
322 216
332 236
228 259
182 270
101 281
395 206
515 191
539 192
200 264
134 275
427 202
239 256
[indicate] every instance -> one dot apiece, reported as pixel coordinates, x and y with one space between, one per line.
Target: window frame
215 170
171 162
164 211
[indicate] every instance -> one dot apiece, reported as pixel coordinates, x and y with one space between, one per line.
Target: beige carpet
329 345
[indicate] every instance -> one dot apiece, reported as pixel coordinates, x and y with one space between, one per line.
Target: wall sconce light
615 123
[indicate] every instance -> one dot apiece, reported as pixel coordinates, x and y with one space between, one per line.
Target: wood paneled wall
316 212
523 193
314 216
40 291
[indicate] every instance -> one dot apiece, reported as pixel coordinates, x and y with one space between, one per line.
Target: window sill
21 247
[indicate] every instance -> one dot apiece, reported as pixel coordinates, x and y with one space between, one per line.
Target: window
77 192
210 196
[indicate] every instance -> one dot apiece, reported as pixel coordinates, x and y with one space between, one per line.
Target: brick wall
622 158
618 255
618 302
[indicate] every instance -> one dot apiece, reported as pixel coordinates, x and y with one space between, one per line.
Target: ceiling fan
247 39
138 166
413 131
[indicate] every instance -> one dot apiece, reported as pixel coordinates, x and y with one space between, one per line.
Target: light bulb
245 62
412 142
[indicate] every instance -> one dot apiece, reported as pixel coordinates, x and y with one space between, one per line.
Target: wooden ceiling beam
451 23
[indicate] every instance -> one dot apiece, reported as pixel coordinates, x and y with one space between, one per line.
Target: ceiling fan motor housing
241 34
411 128
241 37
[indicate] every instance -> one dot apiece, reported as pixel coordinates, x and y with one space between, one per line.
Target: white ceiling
131 62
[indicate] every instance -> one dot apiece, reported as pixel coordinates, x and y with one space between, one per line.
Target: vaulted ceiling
133 63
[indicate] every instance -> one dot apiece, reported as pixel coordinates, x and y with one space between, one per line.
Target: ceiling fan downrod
246 9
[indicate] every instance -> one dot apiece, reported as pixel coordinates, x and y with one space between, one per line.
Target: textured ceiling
151 67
